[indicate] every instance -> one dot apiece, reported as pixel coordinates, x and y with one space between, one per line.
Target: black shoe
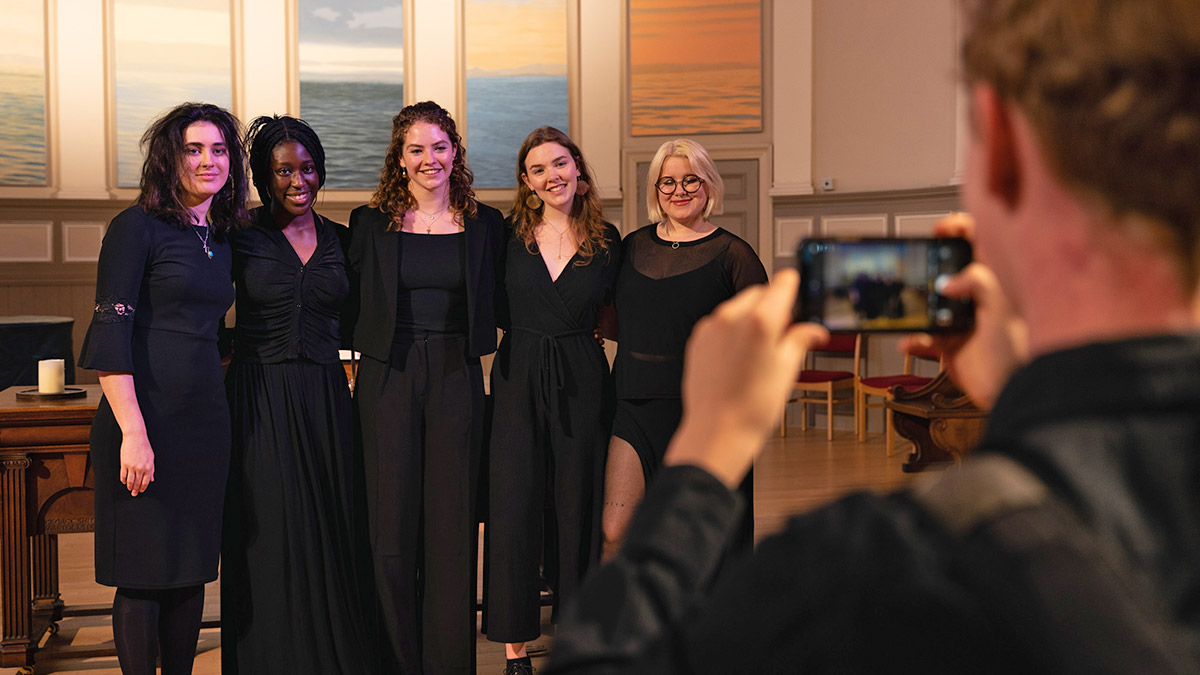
521 666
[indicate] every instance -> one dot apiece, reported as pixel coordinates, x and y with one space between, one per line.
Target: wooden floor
795 474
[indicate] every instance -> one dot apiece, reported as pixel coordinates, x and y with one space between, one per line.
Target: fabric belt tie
551 378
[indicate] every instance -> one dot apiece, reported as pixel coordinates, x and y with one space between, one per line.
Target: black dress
553 399
290 599
663 289
159 302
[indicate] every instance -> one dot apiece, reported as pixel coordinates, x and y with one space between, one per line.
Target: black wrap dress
159 303
553 397
290 594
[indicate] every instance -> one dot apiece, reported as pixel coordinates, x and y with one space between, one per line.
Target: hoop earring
533 201
582 187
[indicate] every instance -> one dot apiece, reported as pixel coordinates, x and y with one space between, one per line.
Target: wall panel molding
26 242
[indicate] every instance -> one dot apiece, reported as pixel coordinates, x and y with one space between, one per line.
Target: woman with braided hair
290 599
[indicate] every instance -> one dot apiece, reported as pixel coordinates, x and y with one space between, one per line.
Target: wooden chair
827 382
881 386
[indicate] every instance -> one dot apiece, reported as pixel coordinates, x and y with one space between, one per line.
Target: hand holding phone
878 284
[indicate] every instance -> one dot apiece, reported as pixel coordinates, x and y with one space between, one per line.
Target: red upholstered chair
827 383
881 386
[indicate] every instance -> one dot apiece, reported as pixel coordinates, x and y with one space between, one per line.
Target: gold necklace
430 219
561 234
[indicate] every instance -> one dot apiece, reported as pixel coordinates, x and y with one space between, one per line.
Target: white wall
884 93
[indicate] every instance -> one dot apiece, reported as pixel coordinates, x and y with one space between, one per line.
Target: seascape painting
352 83
516 81
695 66
166 52
23 94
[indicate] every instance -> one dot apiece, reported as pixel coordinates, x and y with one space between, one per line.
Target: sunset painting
352 83
695 66
166 52
23 94
516 60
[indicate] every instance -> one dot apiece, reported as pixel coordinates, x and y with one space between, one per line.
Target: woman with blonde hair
673 273
422 262
552 390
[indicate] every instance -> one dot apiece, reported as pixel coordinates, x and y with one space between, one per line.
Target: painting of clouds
166 52
695 66
23 93
352 83
516 58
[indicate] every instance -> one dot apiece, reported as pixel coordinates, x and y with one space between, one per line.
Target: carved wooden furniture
827 382
45 490
882 386
943 424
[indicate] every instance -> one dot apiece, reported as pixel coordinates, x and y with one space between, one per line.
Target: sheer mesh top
662 291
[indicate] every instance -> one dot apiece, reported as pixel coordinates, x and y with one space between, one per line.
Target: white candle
52 376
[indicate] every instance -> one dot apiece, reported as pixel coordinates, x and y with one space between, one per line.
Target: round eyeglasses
690 184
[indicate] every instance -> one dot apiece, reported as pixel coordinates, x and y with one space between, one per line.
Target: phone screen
882 284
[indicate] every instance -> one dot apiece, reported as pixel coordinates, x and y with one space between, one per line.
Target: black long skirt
290 596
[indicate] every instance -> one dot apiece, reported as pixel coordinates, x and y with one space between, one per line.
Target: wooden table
45 490
940 420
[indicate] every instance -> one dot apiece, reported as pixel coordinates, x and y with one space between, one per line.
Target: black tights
147 621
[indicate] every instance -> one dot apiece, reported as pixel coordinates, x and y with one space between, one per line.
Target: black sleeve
503 314
675 542
124 255
744 265
352 249
856 586
612 263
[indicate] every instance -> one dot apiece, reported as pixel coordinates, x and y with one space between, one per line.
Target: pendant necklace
431 218
674 242
204 239
561 234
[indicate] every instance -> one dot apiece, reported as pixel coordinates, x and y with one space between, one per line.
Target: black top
432 292
857 585
373 258
662 291
578 293
153 275
287 309
540 316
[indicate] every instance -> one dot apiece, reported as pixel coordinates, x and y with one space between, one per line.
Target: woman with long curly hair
160 439
552 390
422 261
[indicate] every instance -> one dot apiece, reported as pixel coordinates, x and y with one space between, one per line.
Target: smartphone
882 285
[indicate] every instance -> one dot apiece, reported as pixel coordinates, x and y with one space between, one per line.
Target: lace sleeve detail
112 309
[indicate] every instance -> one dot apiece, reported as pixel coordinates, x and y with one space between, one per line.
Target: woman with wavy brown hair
552 390
422 262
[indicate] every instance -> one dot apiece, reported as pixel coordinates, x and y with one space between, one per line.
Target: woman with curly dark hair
289 502
423 258
552 390
160 438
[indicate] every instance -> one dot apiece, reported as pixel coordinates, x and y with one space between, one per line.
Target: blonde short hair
702 166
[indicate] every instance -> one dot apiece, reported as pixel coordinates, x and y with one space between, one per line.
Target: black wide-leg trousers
422 430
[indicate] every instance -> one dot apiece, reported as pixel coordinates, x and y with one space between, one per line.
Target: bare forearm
122 398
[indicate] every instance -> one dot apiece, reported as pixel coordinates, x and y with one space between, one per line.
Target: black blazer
372 260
